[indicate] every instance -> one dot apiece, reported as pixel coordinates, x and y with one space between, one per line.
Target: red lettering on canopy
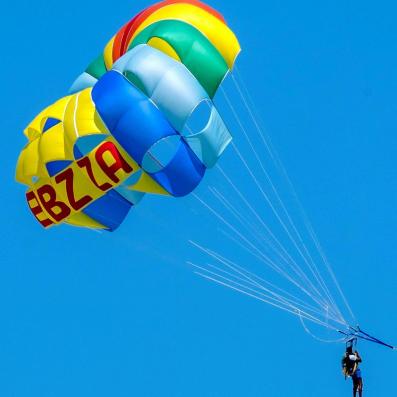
37 209
45 197
119 162
67 176
85 162
52 203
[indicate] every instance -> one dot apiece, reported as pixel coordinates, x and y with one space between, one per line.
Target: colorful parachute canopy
124 129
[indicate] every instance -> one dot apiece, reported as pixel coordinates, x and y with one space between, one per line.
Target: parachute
128 128
124 129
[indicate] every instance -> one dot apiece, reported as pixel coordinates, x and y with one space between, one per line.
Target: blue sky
89 314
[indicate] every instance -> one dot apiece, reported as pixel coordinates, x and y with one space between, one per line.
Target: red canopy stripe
123 36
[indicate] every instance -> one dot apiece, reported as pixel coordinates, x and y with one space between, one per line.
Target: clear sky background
89 314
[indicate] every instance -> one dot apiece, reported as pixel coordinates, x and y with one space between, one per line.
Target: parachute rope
310 265
304 254
249 231
250 107
272 297
234 211
230 207
307 330
306 257
254 281
250 277
257 252
261 297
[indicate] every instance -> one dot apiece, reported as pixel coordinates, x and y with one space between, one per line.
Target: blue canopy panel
50 122
56 166
177 93
109 210
167 82
85 144
137 124
209 143
186 167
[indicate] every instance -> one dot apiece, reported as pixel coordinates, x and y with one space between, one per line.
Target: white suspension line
261 281
323 304
295 300
216 256
244 222
258 217
307 330
331 272
309 262
261 256
254 229
255 213
273 209
248 280
273 296
273 154
278 300
294 312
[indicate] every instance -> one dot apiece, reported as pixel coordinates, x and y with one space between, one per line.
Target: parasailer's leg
355 387
360 387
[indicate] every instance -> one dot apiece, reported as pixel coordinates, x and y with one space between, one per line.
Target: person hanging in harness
350 368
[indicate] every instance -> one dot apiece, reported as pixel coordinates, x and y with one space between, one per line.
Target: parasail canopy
123 130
